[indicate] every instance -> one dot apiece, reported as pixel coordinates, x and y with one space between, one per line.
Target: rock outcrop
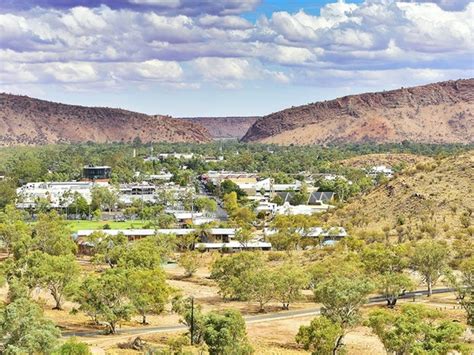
435 113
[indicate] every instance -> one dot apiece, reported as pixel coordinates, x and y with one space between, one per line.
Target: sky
228 57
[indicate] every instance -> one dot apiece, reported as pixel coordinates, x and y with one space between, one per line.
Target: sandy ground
275 337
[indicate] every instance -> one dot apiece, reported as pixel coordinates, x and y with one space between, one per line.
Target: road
268 317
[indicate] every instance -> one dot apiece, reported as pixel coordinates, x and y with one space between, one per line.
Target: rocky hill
225 127
29 121
435 113
434 197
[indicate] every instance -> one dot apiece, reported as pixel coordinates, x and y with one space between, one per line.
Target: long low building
211 239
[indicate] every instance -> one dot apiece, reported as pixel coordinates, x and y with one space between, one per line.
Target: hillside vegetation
431 198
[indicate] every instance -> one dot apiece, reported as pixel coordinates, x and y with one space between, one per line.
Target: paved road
268 317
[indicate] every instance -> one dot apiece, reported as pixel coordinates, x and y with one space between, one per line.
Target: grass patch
77 225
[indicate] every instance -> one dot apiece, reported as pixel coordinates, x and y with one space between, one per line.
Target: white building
215 239
288 209
381 169
58 194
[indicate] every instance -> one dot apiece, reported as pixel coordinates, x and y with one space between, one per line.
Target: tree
260 286
228 186
148 291
24 330
192 316
230 202
341 299
392 285
321 336
243 236
289 280
243 217
108 249
224 333
15 234
57 273
379 258
467 278
144 253
103 198
464 287
106 297
51 235
190 261
73 347
413 331
205 204
430 259
230 273
7 192
79 205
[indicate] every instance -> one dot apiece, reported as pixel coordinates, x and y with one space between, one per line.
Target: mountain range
435 113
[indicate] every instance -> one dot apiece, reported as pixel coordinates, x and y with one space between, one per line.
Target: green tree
413 331
205 204
51 235
430 260
103 198
15 234
224 333
24 330
341 299
106 298
321 336
230 202
79 205
73 347
108 249
259 286
289 279
56 273
190 261
144 253
148 291
7 192
228 187
230 273
392 285
243 217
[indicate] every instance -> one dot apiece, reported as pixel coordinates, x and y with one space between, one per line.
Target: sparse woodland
414 232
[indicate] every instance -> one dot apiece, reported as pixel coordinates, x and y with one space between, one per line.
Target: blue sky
228 57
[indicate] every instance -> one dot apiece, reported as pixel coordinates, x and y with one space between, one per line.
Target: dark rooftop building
96 173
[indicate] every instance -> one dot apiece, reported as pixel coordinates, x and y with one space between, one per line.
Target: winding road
268 317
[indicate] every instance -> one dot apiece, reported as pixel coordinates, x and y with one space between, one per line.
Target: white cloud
185 47
216 69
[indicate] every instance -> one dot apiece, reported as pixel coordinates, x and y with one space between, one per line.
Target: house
288 209
381 170
314 198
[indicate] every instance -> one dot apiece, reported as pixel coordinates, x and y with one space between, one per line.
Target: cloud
449 5
170 7
185 43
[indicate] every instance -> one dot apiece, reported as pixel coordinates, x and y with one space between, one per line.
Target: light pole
192 320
